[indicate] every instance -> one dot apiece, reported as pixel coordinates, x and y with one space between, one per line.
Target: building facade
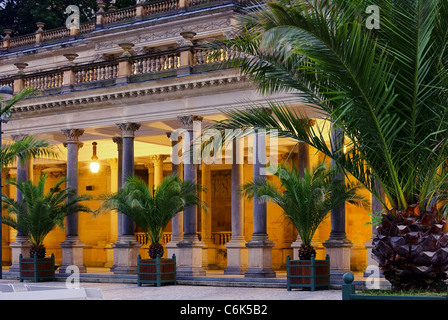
123 84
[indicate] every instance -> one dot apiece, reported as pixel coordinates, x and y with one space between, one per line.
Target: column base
237 256
190 257
260 258
370 261
20 246
126 251
339 252
172 248
72 255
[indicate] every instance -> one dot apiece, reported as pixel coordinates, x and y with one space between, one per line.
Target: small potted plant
35 216
152 210
306 201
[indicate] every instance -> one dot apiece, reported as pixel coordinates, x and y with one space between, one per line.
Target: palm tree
384 89
29 146
152 210
307 200
39 212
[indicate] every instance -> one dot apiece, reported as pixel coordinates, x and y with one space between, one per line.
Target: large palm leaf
385 89
39 212
153 209
307 200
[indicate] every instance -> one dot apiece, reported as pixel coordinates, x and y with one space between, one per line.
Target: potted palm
35 216
306 200
152 210
384 89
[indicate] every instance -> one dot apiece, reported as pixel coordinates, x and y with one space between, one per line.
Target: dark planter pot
311 274
156 271
37 269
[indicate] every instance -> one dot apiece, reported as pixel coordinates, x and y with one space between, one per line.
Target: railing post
19 82
139 12
68 79
348 288
40 34
100 14
124 64
6 39
186 53
183 5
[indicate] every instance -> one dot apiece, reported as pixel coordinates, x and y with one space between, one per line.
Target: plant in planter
39 212
306 201
153 209
384 89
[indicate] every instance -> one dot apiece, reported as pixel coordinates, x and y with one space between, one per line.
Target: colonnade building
122 84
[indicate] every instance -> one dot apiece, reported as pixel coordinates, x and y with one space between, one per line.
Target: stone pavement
123 291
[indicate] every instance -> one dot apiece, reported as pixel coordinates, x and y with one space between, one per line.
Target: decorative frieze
131 93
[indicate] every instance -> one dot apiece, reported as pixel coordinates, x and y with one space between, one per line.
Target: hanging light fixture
94 165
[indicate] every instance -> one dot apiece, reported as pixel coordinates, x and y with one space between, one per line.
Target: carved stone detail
118 140
72 135
128 129
159 157
187 121
18 137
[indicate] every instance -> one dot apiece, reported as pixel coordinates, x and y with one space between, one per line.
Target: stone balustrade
96 72
104 20
155 63
127 69
44 81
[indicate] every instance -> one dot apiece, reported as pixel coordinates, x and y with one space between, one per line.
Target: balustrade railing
206 55
103 19
221 238
45 81
218 238
144 240
119 15
155 63
98 72
7 82
22 41
159 7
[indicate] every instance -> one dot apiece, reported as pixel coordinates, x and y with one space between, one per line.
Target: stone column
21 244
158 168
126 248
177 221
190 248
259 247
209 249
237 258
376 207
338 246
72 247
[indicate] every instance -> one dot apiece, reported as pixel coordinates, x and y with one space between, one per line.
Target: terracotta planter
311 274
156 271
37 269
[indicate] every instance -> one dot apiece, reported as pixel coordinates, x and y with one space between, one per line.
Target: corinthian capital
72 135
128 129
187 121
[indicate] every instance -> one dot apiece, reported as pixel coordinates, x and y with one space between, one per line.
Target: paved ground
183 292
